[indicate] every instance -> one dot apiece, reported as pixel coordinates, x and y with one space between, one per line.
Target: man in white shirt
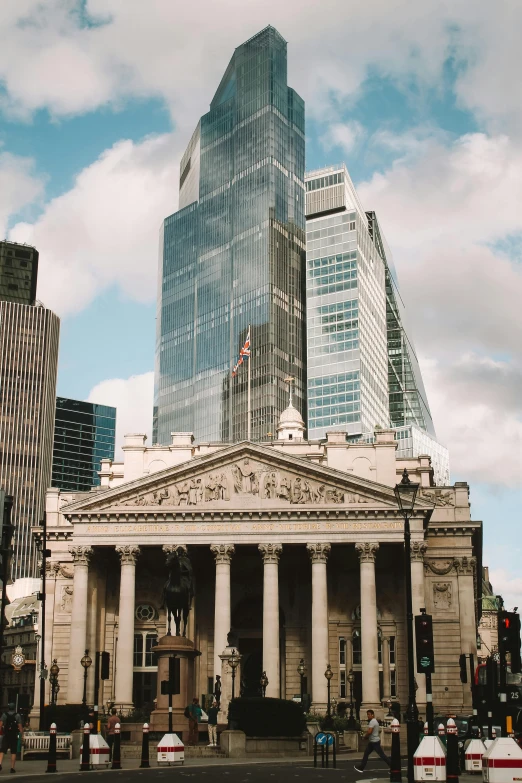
374 742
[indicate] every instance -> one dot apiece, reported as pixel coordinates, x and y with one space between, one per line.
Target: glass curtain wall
235 257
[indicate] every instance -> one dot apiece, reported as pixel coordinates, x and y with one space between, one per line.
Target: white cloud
20 186
343 135
105 230
133 399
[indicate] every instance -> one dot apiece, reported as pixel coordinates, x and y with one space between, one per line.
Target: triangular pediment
244 475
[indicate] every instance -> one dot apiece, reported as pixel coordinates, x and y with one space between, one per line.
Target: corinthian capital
367 551
81 554
418 550
270 552
319 552
465 565
128 554
222 552
170 549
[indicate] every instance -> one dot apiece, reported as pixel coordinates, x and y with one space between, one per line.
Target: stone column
222 622
320 654
52 571
369 649
125 649
270 554
418 600
386 681
468 640
78 640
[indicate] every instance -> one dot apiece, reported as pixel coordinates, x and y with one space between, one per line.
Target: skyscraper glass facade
18 273
233 256
346 310
84 434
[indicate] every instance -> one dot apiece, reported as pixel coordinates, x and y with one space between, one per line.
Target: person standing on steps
195 713
374 742
212 725
11 725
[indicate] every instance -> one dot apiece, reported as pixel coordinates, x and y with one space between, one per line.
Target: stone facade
296 545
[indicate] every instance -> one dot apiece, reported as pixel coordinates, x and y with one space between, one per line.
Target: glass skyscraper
346 310
84 434
18 273
233 256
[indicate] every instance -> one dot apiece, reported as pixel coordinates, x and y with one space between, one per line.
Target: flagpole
249 424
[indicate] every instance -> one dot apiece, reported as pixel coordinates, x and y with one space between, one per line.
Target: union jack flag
244 353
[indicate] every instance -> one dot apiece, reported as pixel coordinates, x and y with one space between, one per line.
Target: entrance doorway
251 650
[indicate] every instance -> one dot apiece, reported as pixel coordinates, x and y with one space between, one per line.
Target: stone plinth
183 649
233 743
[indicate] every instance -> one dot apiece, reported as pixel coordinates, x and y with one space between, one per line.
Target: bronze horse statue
178 590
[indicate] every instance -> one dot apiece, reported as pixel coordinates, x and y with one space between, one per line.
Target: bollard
145 748
426 729
442 733
116 750
395 761
51 757
86 751
452 758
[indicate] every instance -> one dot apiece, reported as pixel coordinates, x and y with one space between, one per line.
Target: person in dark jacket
212 725
11 725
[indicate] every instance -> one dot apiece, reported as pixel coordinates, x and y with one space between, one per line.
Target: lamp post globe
406 494
233 662
328 721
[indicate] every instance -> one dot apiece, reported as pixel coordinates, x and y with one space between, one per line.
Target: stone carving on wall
66 602
466 565
418 550
319 552
128 554
245 478
438 496
439 567
270 552
442 596
81 554
51 569
222 552
367 551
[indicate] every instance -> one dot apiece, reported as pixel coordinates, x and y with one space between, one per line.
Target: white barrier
171 750
502 762
429 760
473 755
98 750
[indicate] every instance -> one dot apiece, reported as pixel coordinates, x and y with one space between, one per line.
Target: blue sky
98 100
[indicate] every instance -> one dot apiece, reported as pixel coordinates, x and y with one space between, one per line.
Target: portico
301 559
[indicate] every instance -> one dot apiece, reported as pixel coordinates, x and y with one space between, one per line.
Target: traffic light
105 665
172 685
509 638
424 644
463 668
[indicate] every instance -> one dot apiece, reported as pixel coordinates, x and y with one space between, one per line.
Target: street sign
323 739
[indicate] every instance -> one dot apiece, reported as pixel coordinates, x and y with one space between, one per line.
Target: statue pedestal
182 648
226 682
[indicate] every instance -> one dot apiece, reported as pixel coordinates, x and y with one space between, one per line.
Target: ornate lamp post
352 724
86 661
406 492
264 683
301 670
233 662
54 671
328 722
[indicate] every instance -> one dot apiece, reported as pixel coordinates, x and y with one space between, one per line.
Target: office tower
233 257
408 400
346 310
84 434
18 273
29 337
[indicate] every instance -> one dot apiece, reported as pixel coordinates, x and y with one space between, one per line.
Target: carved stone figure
178 590
442 595
67 594
297 491
284 489
222 487
183 493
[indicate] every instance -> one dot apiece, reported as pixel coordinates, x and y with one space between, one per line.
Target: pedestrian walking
194 718
11 727
374 742
212 724
111 725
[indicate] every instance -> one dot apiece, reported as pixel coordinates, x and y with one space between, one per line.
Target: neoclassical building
297 545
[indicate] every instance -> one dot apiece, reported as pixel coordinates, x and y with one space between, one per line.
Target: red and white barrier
429 760
98 750
171 750
473 755
502 762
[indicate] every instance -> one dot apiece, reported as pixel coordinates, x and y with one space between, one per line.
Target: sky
421 100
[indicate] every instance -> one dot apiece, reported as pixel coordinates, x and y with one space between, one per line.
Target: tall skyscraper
29 337
84 434
346 310
18 273
233 257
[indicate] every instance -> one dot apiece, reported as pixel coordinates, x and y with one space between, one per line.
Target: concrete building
232 257
84 434
29 337
295 544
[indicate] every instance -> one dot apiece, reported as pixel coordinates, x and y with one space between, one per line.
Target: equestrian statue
178 590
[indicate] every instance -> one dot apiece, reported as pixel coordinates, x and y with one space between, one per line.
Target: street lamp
233 662
54 671
264 682
301 670
406 492
328 722
86 661
352 724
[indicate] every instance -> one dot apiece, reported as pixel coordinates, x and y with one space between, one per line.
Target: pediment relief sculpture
245 478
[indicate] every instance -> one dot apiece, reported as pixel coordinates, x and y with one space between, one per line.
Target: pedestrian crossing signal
424 652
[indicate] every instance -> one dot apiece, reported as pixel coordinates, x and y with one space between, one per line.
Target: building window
143 656
356 642
138 649
342 667
342 683
145 613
